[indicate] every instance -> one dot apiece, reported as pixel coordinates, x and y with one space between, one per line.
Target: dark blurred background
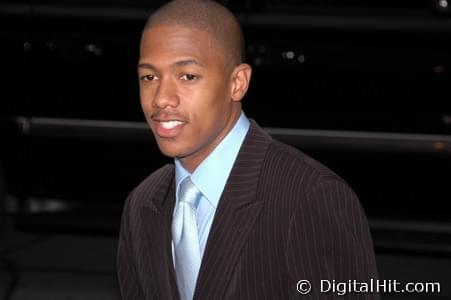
364 86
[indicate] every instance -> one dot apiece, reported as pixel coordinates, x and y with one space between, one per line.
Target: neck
191 162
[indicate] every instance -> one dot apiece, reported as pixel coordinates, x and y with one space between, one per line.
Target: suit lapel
157 219
236 213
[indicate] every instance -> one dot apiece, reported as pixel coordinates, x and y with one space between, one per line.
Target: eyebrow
146 66
182 63
179 63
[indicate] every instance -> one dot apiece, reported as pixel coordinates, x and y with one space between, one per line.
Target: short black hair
206 15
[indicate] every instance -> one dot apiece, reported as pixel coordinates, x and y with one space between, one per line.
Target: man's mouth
168 128
170 124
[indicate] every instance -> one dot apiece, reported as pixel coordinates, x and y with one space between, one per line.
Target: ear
241 77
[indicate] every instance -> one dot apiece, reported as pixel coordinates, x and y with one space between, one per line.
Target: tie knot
189 192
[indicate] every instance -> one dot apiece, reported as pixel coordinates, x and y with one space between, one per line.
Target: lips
170 124
168 128
167 124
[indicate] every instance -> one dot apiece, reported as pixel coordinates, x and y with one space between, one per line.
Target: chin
169 150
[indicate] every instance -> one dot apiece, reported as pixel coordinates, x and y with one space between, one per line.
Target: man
239 215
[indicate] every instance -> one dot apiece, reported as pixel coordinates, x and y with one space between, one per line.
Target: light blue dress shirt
211 176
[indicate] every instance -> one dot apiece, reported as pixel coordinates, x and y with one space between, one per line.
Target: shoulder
307 186
156 179
147 189
302 181
294 165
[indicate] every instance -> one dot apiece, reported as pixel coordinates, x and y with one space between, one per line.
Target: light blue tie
186 240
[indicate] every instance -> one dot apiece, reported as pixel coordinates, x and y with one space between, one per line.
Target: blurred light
26 46
446 119
438 69
47 205
288 55
51 45
443 3
301 58
93 49
258 61
439 145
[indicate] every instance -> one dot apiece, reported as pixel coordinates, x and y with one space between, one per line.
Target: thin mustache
164 115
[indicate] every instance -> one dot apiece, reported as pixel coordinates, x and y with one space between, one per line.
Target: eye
149 77
189 77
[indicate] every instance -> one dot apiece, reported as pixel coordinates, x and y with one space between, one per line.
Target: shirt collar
211 175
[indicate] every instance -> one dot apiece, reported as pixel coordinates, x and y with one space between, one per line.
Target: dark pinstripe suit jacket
282 217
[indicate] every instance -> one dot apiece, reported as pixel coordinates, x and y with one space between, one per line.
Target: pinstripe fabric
282 217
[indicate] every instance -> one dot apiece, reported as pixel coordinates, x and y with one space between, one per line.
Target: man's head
192 77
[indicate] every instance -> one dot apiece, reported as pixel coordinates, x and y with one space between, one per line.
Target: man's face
185 91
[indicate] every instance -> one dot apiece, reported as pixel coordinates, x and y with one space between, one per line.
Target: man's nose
166 94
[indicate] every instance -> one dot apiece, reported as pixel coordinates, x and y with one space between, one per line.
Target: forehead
171 42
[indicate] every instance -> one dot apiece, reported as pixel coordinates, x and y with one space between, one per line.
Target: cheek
205 105
145 96
211 115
